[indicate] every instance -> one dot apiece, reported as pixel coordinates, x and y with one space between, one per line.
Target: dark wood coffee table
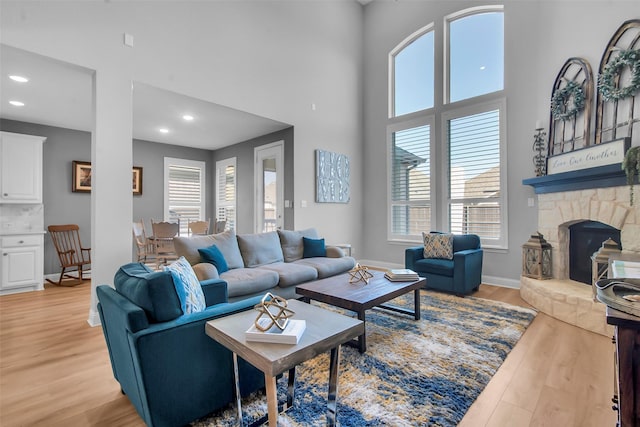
359 297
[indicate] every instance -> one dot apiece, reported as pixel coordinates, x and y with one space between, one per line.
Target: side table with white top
325 331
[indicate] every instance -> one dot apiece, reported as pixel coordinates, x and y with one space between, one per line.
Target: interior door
269 183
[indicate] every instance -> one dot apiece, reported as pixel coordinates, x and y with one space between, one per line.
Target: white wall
539 37
274 59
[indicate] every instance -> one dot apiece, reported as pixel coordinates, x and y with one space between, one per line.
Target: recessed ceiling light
188 117
163 130
483 67
17 103
19 79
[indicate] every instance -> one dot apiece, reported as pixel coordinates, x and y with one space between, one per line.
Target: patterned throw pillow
187 286
438 245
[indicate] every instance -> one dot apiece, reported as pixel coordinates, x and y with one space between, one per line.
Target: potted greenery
631 166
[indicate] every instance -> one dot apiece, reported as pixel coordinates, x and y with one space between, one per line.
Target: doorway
269 187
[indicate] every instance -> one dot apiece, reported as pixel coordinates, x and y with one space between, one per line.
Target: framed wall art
332 177
81 178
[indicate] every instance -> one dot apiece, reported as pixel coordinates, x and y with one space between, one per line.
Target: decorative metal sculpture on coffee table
359 273
280 318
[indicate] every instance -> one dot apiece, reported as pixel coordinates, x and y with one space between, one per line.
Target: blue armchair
171 371
461 275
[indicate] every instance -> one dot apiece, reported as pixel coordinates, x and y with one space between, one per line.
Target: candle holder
539 159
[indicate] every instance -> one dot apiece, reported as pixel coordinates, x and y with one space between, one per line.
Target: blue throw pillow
212 255
313 248
187 286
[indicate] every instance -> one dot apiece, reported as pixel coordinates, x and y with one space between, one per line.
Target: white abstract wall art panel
332 177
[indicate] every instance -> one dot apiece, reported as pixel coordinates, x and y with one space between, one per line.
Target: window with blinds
410 181
226 192
184 191
475 184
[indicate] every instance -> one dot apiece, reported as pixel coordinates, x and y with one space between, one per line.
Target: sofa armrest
334 252
215 291
205 271
411 255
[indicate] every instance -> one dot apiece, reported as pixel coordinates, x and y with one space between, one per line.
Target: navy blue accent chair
171 371
461 275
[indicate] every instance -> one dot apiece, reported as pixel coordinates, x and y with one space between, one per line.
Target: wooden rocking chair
66 240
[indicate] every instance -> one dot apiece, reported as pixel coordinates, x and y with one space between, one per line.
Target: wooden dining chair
198 227
220 226
163 234
72 255
145 247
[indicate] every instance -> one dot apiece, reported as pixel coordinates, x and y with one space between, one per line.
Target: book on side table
290 335
401 275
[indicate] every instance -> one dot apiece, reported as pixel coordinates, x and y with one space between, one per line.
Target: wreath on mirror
607 80
560 101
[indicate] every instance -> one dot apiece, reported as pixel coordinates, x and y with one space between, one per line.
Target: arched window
411 65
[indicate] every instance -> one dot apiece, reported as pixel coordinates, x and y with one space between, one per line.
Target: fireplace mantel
598 177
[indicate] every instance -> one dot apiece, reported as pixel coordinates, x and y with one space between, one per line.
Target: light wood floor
55 371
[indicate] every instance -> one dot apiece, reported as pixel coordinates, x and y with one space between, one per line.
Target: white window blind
410 181
226 192
474 175
185 191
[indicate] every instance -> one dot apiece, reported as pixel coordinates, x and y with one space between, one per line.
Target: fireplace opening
585 238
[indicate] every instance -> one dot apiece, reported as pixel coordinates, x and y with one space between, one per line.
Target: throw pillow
187 286
291 242
438 245
313 248
212 255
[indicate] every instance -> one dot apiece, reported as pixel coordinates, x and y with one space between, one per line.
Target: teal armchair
170 370
461 275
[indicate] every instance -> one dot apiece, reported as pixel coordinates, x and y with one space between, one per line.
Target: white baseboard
501 281
379 264
489 280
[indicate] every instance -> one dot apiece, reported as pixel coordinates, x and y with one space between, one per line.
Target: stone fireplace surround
560 297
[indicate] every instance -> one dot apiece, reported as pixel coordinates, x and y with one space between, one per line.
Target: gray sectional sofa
263 262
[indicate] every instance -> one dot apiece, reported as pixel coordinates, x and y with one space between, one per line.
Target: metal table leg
332 409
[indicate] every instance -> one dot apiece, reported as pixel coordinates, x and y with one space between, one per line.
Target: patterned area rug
425 372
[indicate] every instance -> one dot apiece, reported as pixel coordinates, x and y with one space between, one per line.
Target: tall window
410 186
461 128
475 173
226 192
184 191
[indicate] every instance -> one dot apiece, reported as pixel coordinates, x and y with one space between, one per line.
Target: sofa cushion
212 255
225 241
439 266
247 281
328 267
260 248
291 273
291 242
154 292
313 248
187 286
438 245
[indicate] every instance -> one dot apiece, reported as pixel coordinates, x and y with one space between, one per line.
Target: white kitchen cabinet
22 263
20 168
